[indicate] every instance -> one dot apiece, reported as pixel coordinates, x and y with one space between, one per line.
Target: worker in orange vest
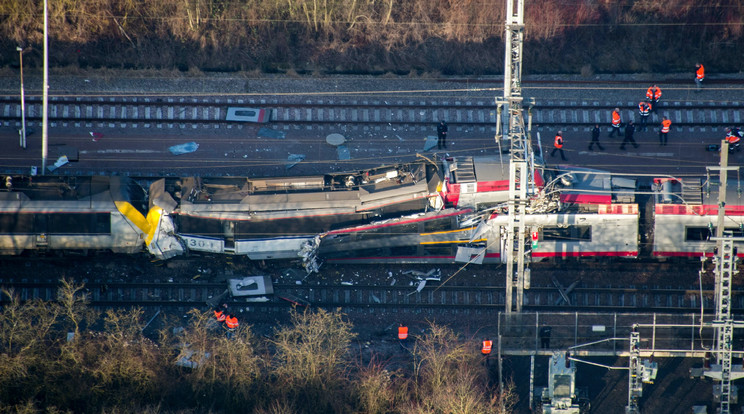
219 315
486 347
644 110
402 332
231 323
616 121
699 76
558 145
653 94
665 126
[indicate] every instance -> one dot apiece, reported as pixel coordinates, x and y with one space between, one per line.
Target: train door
228 228
41 228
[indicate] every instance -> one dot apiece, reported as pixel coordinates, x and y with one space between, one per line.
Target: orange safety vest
652 93
219 315
700 73
615 118
486 349
402 332
643 108
558 143
231 322
665 124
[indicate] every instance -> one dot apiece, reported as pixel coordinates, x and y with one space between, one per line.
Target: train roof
65 188
692 192
387 184
589 186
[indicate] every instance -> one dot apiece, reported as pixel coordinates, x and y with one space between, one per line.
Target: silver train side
71 214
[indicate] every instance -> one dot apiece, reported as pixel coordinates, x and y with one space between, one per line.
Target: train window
16 223
697 234
569 233
437 225
693 234
403 250
438 250
76 223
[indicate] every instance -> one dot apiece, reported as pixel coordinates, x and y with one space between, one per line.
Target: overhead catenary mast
520 156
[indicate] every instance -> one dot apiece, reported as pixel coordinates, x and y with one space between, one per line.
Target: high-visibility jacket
732 139
231 322
700 73
402 332
615 118
558 143
219 315
644 108
486 348
653 93
665 124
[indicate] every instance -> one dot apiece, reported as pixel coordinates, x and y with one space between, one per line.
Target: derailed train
445 212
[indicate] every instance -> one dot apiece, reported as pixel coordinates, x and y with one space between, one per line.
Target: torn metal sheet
470 254
431 142
293 160
60 162
248 115
419 288
433 274
343 152
183 148
270 133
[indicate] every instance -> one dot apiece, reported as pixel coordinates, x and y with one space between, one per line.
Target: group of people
229 320
486 344
645 109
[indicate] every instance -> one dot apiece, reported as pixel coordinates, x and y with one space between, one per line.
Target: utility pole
725 268
45 93
23 102
520 154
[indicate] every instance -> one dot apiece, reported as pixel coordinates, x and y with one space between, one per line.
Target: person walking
644 110
616 121
665 126
629 131
699 76
442 134
595 138
653 94
558 145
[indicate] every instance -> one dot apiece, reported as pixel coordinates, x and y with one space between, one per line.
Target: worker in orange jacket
231 323
699 76
402 332
486 347
219 315
616 122
653 94
558 145
665 126
644 110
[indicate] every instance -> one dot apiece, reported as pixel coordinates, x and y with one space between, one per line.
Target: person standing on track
644 110
629 131
616 122
665 126
558 145
699 76
595 138
442 134
653 94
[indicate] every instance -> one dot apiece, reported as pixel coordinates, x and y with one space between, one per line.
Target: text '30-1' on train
453 210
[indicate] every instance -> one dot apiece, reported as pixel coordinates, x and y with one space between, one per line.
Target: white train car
72 214
686 217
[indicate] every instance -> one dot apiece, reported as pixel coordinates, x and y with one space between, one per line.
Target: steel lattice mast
520 155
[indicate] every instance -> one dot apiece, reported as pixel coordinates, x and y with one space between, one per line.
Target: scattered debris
433 274
335 139
431 142
60 162
96 136
293 160
343 152
183 148
270 133
251 286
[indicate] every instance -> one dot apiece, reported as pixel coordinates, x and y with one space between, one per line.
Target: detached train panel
686 217
72 213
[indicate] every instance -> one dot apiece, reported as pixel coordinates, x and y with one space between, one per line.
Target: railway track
444 298
478 113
